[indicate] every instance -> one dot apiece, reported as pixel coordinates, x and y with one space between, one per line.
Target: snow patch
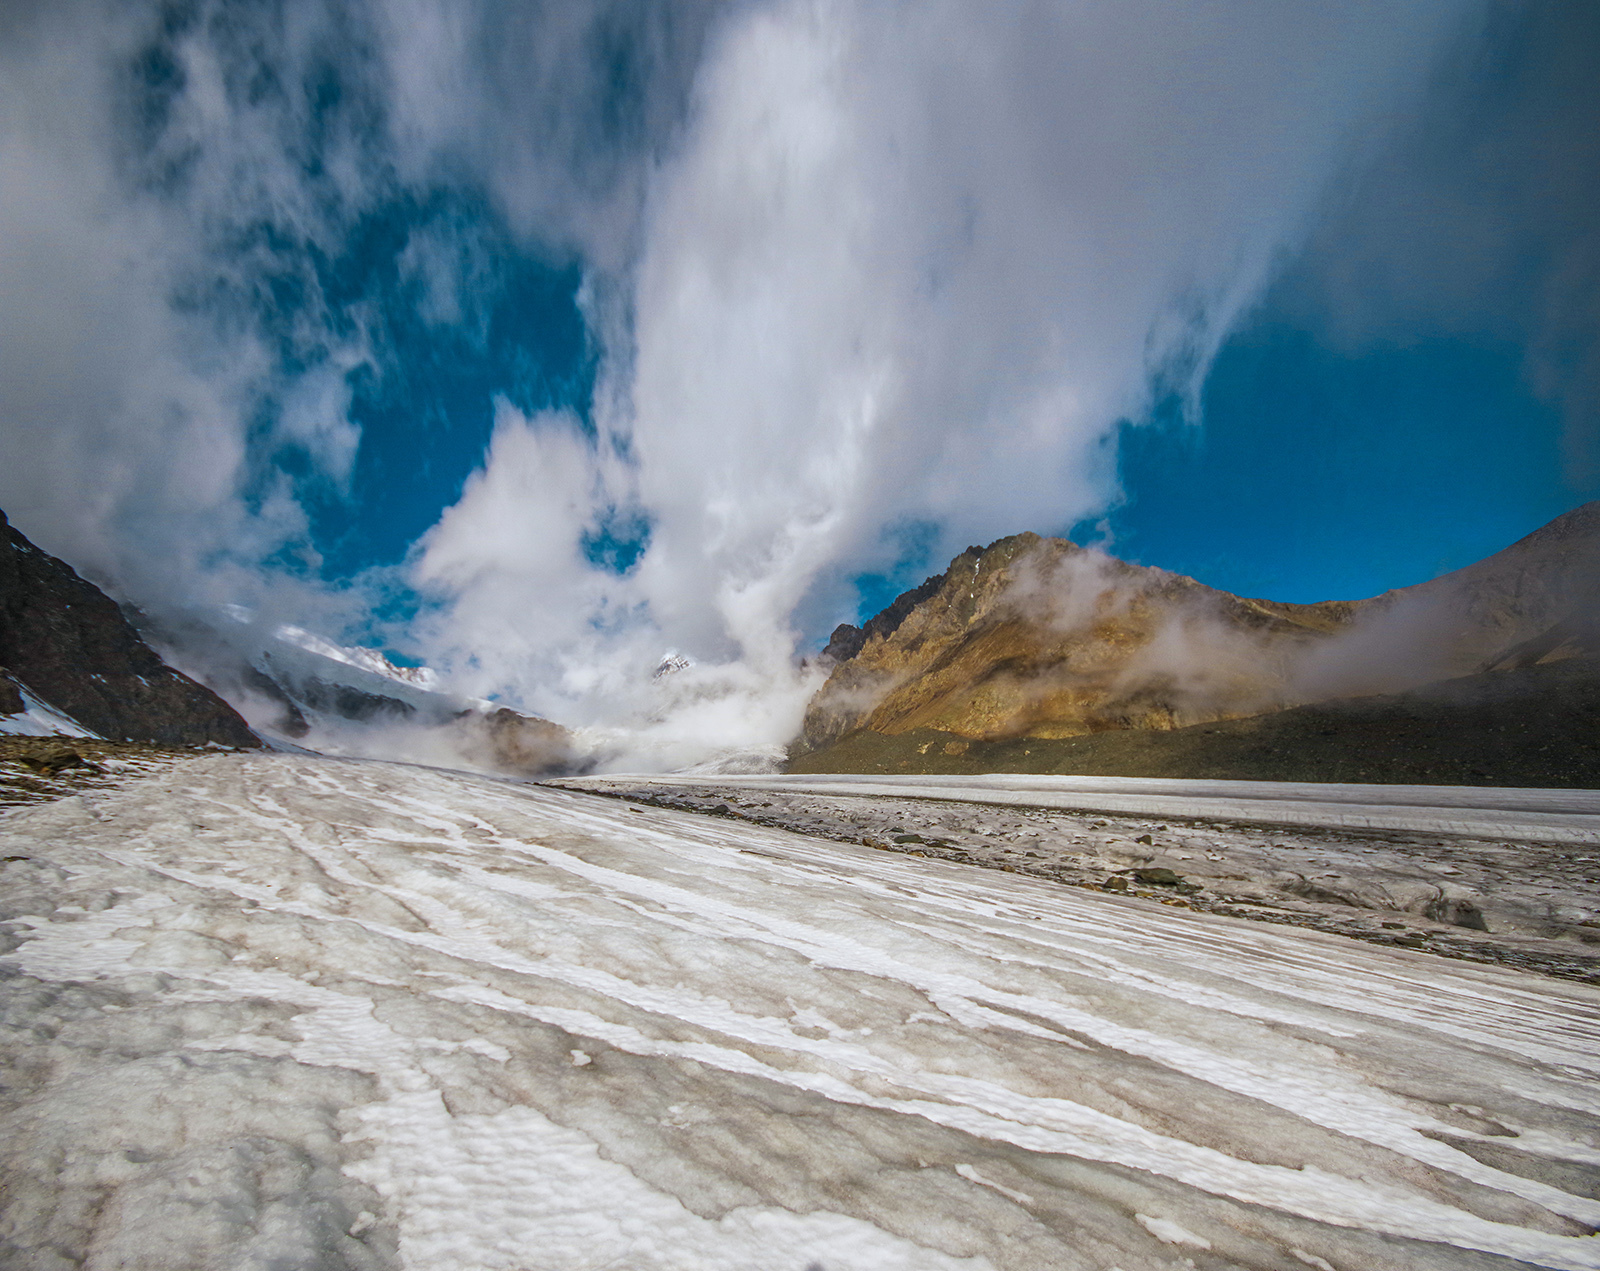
370 660
1170 1233
39 719
746 761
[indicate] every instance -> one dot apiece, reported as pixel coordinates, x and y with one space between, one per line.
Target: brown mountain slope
66 642
1039 639
1538 726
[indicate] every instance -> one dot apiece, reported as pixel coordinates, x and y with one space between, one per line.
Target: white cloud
917 261
851 263
508 557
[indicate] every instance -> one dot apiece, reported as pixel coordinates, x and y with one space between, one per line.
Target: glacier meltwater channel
275 1011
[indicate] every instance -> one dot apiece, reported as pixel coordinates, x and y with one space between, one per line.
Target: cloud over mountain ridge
815 274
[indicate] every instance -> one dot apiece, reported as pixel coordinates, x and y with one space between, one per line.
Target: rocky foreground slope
1533 726
66 646
1035 654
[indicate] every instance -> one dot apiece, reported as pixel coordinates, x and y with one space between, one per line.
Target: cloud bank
843 269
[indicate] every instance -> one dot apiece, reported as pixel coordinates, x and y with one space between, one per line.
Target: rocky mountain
70 661
1037 638
1537 600
1040 637
296 686
1525 726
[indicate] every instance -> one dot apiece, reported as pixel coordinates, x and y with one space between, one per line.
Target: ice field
270 1011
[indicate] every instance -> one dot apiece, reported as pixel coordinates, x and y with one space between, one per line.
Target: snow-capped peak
671 662
371 660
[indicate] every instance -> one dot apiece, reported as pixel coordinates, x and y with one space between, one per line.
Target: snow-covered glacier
271 1011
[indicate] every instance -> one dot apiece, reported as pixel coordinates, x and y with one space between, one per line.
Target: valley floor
270 1011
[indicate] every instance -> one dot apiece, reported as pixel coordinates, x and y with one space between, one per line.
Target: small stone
1158 876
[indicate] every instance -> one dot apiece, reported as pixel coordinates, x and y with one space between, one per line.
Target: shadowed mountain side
1038 638
65 642
1536 726
354 700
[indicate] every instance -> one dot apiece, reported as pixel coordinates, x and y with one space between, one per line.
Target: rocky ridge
299 688
1040 637
66 644
1039 640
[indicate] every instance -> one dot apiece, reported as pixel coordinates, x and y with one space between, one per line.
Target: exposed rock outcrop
847 640
67 643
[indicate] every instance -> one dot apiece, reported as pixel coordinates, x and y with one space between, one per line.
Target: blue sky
1310 472
1386 412
1319 475
534 343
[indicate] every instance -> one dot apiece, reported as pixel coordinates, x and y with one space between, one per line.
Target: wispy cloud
1478 219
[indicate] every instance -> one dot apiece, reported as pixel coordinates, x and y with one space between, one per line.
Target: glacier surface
276 1011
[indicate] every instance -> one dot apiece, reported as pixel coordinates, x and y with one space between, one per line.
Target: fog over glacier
847 284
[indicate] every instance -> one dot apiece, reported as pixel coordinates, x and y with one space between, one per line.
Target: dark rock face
348 702
847 641
68 643
290 722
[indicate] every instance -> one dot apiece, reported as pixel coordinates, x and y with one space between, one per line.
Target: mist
843 269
